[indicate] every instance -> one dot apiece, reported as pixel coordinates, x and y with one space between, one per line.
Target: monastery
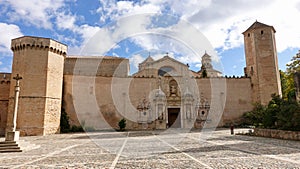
97 92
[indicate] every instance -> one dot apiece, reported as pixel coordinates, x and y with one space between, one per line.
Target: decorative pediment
165 66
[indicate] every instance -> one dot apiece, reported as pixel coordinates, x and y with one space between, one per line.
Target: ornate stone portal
173 109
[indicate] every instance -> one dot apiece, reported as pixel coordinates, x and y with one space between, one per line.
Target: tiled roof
257 25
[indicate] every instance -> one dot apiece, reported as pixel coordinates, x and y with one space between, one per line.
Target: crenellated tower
261 62
40 62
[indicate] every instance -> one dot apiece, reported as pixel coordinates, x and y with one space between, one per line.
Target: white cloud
36 12
113 9
161 55
134 60
108 37
182 39
223 22
220 21
8 32
65 21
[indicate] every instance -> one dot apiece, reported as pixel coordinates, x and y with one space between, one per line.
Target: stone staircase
9 146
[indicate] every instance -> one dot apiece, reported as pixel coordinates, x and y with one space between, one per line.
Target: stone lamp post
13 135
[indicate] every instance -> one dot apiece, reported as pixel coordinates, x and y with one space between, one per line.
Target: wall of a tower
268 73
4 95
39 61
251 67
262 63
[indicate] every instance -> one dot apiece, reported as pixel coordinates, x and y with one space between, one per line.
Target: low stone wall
281 134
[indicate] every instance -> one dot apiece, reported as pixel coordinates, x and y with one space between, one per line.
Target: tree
255 116
287 78
294 65
287 85
122 124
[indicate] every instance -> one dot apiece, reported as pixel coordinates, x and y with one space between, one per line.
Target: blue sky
132 29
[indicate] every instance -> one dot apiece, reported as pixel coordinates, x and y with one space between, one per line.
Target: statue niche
173 86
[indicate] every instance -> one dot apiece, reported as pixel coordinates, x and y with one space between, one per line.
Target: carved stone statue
173 88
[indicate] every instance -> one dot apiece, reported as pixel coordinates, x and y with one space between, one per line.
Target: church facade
97 92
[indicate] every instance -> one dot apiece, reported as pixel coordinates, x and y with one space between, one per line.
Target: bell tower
261 62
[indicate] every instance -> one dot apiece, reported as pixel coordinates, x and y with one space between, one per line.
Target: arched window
163 70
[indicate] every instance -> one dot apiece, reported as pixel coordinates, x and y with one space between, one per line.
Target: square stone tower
261 62
40 62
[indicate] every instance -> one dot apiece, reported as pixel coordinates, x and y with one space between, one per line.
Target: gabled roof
257 25
169 58
148 59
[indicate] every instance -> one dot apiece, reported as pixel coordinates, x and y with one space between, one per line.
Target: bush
64 122
65 125
122 124
76 129
278 114
255 116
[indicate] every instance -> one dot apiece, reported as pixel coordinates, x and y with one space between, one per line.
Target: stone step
6 142
10 150
9 146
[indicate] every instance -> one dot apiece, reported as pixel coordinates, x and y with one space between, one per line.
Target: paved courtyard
153 149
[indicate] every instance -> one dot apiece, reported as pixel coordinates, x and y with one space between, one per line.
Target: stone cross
16 101
14 135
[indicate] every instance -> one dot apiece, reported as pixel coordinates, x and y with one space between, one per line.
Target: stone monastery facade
97 92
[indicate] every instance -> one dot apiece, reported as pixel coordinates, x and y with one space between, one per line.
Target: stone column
13 135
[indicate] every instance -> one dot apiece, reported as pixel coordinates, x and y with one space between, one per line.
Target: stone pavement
153 149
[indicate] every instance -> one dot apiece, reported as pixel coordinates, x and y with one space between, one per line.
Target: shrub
278 114
64 122
76 129
122 124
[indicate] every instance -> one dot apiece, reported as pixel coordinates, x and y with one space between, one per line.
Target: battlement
38 42
5 78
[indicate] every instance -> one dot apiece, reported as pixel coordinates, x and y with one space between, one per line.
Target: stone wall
238 99
89 99
101 102
280 134
31 112
4 94
96 66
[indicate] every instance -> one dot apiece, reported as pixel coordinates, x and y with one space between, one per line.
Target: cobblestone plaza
153 149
